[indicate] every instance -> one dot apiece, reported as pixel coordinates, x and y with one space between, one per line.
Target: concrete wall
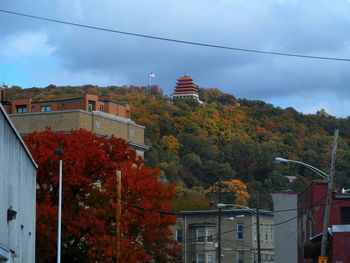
18 192
96 122
286 234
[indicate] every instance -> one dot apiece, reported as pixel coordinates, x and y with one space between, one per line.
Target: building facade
197 233
17 196
88 102
286 225
311 206
88 112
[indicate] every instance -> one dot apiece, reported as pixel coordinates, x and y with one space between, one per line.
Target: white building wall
18 191
286 227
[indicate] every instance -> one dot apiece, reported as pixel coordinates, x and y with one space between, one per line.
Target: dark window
200 258
200 235
179 235
209 235
345 215
45 108
240 256
239 231
21 109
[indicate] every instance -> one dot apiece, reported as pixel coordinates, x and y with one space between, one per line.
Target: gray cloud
305 27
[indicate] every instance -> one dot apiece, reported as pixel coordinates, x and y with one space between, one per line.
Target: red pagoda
185 88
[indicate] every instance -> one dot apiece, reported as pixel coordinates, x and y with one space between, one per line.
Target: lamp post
118 213
59 152
329 179
310 167
219 220
151 75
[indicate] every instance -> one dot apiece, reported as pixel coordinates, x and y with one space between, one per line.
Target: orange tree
90 163
234 186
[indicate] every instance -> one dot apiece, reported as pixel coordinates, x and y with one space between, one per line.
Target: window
210 258
101 107
200 235
210 235
345 215
45 108
91 105
239 231
200 258
21 108
240 256
179 235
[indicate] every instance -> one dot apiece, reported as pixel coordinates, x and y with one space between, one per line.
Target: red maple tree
90 164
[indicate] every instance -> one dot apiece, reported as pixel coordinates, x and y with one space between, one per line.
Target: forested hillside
197 144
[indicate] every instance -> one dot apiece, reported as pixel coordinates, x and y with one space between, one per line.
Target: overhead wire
174 40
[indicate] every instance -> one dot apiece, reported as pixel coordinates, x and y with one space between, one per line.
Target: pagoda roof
185 78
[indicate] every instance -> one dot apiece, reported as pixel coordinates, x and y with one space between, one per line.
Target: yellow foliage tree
235 186
171 143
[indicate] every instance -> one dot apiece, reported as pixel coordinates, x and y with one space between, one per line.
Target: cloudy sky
39 53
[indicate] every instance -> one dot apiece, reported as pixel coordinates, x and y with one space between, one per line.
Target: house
197 233
311 206
285 229
101 117
17 196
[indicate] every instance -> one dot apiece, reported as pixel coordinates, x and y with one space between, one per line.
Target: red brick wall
73 104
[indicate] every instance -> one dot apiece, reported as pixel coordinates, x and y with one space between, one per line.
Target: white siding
17 190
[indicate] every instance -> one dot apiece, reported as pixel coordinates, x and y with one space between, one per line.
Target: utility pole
258 226
329 195
219 221
118 213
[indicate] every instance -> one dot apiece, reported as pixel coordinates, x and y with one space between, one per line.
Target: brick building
311 204
88 112
87 103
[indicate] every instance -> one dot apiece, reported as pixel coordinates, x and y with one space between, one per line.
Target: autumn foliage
89 201
237 187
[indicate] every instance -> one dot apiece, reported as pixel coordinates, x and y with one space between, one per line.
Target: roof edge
18 136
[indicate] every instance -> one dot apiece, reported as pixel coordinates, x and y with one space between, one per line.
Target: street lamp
329 179
310 167
59 152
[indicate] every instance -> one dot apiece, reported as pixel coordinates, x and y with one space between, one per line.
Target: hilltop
196 144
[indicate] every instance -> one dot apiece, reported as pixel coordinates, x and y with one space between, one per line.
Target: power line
190 240
173 39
